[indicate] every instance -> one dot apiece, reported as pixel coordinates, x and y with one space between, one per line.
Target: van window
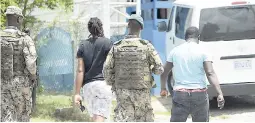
146 14
182 21
170 23
162 13
227 23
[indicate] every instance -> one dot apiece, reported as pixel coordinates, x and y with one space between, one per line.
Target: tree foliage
29 5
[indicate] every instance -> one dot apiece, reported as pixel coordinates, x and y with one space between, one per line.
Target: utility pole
106 17
74 45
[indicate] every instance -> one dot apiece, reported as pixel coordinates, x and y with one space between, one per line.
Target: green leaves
28 6
4 5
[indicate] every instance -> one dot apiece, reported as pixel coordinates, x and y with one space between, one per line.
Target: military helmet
13 10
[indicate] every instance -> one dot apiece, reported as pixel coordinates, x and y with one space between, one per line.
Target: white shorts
98 98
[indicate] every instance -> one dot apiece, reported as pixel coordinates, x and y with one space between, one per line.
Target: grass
223 117
114 104
47 105
163 113
153 98
38 119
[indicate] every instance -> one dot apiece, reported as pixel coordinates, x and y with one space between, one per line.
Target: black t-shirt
94 51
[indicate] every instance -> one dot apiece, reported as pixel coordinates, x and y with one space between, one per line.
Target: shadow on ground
233 105
166 102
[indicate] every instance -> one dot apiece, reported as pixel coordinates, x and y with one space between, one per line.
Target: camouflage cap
13 10
137 18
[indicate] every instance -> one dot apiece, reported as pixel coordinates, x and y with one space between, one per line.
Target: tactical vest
12 58
132 68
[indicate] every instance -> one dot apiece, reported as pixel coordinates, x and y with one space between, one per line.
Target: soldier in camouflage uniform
35 84
128 69
18 56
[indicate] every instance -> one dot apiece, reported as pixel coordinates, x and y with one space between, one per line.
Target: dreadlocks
95 27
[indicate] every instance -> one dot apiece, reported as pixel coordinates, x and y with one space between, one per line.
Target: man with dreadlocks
91 57
128 69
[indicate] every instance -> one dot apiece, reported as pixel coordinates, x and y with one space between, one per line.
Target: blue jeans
195 103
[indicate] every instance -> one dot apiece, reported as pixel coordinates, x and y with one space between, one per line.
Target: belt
191 90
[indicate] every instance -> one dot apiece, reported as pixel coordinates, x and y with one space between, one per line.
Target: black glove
82 107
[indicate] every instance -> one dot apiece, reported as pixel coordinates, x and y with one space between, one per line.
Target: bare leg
98 118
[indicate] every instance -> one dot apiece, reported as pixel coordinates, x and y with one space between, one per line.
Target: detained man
91 56
191 64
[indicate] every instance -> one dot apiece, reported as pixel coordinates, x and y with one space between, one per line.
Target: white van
227 31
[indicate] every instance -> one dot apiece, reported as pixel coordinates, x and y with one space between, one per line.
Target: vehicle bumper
234 89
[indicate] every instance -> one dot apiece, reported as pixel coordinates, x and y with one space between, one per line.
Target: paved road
236 109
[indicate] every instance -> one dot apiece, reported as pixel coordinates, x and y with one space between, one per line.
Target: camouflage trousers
16 100
133 106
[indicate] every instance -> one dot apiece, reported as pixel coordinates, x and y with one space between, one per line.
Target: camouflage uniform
128 68
18 56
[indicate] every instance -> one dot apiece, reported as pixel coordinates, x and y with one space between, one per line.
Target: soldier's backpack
9 44
153 84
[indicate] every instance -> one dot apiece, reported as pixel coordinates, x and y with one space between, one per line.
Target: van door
170 32
182 22
179 21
